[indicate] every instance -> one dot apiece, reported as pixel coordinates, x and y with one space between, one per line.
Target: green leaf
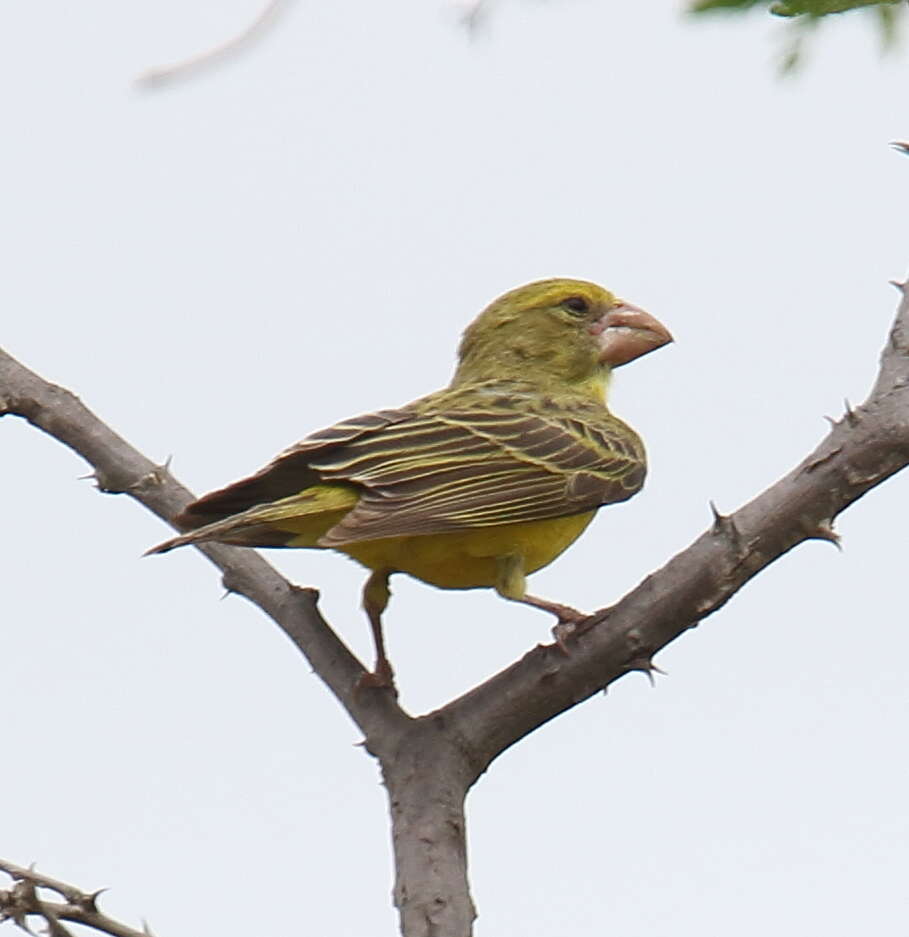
823 7
790 8
806 14
702 6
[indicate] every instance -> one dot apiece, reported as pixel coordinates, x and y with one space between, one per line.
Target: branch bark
430 762
23 901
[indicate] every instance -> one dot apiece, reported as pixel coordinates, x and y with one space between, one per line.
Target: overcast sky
221 266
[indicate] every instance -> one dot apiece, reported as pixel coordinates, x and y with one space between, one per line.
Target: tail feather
234 531
297 521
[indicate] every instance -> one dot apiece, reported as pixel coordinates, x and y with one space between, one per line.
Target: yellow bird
475 485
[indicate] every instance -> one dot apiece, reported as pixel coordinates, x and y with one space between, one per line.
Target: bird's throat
592 385
596 386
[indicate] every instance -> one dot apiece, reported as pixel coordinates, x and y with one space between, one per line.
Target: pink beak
627 332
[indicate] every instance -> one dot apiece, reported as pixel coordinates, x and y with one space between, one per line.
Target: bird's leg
569 620
511 584
375 600
565 613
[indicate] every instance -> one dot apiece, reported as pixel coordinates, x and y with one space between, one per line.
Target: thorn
725 524
833 423
717 517
646 666
852 417
825 531
90 902
101 484
900 147
896 283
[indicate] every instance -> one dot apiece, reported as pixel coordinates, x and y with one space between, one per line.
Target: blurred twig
162 74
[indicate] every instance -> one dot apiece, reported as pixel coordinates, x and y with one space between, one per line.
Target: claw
562 631
382 678
568 624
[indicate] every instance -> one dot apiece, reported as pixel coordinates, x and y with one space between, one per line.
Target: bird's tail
297 521
240 530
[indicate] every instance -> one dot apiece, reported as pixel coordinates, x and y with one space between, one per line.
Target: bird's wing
435 472
287 474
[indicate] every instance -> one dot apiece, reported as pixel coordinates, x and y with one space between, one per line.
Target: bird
475 485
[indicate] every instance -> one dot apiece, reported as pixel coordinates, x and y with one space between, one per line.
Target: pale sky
226 264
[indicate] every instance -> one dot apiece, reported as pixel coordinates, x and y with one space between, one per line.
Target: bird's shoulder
521 410
480 456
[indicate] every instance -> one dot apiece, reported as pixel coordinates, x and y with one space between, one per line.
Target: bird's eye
576 305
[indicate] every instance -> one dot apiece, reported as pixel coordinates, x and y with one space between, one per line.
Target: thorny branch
867 445
430 762
23 901
120 469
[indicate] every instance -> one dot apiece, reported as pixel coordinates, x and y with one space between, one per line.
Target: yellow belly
462 559
466 559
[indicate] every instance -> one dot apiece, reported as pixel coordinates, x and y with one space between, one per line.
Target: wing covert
447 471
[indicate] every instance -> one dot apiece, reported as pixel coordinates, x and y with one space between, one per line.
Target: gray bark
427 775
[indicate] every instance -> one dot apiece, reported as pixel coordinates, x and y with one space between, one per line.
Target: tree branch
865 447
22 901
429 763
120 469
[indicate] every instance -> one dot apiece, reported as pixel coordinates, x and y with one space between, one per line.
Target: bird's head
568 331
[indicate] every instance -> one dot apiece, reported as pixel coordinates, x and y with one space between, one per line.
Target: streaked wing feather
450 471
287 474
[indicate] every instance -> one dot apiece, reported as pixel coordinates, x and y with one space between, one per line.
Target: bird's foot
381 678
570 622
574 624
567 626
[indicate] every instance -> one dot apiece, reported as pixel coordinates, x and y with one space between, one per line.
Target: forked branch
864 447
429 763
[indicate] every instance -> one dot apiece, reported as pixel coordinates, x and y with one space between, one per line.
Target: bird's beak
626 332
